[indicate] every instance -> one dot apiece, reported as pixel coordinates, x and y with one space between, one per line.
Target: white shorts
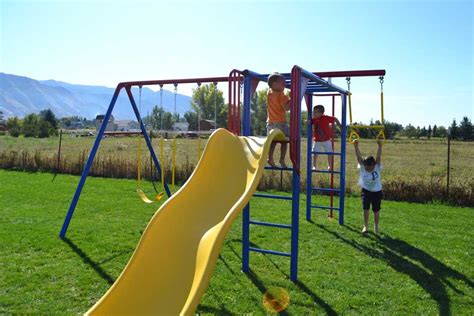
323 146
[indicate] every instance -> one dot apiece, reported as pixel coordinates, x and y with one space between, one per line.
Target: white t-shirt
370 180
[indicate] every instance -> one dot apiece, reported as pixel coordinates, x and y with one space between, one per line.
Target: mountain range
22 95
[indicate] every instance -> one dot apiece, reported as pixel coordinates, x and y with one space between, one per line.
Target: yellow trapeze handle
353 136
381 135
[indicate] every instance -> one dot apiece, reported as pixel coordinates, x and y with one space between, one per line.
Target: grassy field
421 263
410 165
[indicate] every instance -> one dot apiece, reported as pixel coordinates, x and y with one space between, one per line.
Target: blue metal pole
342 175
245 238
246 212
309 162
147 139
88 165
295 208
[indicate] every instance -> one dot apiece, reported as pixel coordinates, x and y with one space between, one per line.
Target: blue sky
425 46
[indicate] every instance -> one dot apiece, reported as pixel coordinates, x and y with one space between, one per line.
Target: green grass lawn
422 262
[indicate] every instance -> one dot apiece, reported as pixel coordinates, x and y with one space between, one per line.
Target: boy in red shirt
322 134
277 105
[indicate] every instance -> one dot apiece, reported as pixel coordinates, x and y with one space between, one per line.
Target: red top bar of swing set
351 73
174 81
329 74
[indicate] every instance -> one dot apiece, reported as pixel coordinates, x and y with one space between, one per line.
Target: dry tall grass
414 170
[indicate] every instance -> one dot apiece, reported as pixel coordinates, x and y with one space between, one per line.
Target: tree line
40 125
208 103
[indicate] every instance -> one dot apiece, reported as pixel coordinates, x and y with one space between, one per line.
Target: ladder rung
325 207
326 171
326 190
270 224
325 153
270 196
271 252
278 168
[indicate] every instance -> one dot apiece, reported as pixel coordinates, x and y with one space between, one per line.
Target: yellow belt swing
354 128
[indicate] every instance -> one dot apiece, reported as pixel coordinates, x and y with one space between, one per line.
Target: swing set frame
127 86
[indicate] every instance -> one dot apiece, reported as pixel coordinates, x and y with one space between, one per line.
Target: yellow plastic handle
353 136
381 135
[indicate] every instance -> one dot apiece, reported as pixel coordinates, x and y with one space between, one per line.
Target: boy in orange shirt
277 105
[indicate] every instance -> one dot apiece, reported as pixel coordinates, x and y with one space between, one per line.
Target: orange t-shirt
276 101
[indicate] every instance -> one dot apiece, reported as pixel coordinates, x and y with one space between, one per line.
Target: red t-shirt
321 131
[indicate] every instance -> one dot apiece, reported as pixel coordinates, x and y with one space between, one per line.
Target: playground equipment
173 262
354 128
302 83
127 86
332 191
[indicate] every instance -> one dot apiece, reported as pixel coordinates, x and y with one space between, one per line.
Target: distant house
181 126
111 126
207 125
76 125
126 125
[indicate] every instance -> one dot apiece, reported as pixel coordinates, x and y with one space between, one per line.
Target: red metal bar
332 74
231 103
294 123
234 105
351 73
233 117
172 81
229 111
239 125
332 160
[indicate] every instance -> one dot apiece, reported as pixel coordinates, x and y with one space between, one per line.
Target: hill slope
22 95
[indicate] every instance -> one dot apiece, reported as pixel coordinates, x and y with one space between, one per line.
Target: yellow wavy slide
171 267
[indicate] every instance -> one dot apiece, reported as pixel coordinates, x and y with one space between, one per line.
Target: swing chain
215 105
381 83
140 102
175 95
161 108
348 79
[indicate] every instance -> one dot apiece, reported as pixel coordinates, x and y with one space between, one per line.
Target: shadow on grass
301 285
393 252
94 265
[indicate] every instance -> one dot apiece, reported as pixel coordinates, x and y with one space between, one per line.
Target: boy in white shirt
370 182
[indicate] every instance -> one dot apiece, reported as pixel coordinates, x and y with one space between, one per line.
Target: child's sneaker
376 230
271 163
283 164
365 230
